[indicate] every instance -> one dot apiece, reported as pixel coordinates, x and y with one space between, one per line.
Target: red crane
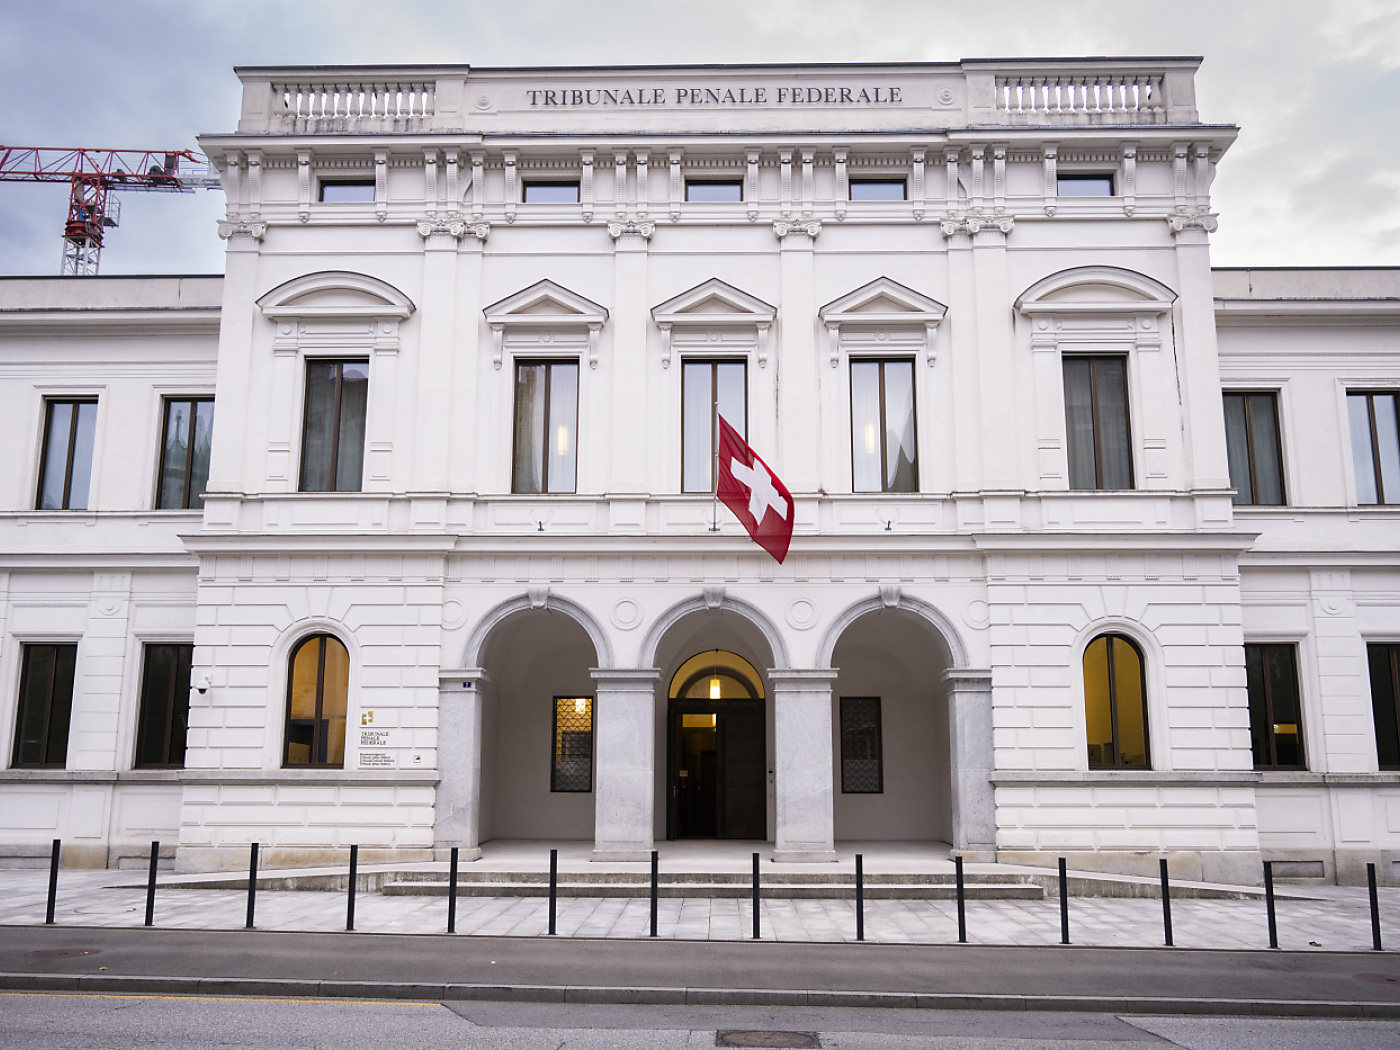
94 175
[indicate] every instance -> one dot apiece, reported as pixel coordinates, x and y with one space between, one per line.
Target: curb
97 984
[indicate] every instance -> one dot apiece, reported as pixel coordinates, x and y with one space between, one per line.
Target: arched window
1115 703
318 682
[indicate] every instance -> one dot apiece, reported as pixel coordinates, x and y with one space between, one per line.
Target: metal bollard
962 909
53 881
1064 904
654 865
1375 908
252 883
860 897
755 896
151 885
1166 902
553 885
350 903
452 893
1269 901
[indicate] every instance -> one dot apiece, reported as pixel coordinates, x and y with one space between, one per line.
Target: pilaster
624 731
804 767
457 806
971 761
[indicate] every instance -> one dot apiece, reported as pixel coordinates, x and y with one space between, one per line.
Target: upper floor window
551 193
45 705
1088 185
877 190
1384 661
1275 712
709 389
1096 422
546 426
1115 703
65 472
883 457
1252 445
347 191
318 689
1375 446
165 705
716 191
184 453
333 434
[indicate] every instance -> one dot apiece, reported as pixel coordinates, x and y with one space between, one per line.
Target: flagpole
714 479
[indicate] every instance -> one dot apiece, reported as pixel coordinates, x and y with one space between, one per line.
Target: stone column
624 734
804 770
971 760
457 811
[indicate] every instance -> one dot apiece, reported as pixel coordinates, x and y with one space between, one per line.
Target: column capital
465 680
625 679
799 677
967 680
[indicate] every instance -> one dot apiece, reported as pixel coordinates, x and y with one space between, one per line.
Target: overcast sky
1314 85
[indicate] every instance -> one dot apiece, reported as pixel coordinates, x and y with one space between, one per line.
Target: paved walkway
1334 919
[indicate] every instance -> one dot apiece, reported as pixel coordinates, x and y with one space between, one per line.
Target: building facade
401 533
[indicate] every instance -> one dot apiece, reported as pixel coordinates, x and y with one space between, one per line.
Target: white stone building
1095 551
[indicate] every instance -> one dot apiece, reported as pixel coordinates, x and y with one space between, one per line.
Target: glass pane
551 193
1237 448
1283 691
1388 438
1115 447
158 674
717 685
1085 186
1132 717
203 442
1259 726
696 434
61 704
901 475
1268 464
865 426
563 425
1363 465
334 695
175 455
354 398
1383 710
316 430
528 471
82 456
305 670
1079 424
732 396
883 190
714 191
56 455
34 704
346 192
1098 716
180 712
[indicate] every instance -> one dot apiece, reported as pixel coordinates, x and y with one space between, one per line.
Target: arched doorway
716 749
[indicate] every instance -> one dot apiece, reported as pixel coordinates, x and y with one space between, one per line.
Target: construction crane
94 176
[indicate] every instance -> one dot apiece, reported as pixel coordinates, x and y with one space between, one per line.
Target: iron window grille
862 757
572 765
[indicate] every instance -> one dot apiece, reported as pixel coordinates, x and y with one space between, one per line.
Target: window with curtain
883 454
546 425
1115 703
318 687
709 389
184 453
1375 445
333 429
45 705
1096 422
1252 445
65 471
165 705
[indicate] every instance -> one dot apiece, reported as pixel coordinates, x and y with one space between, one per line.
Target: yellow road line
222 998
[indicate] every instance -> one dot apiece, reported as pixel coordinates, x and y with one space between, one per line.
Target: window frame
1392 650
1113 634
526 185
1086 176
166 401
548 363
1094 359
713 362
555 751
172 700
902 181
879 738
1274 765
49 403
316 730
1370 394
370 183
884 429
26 648
1249 445
736 182
333 470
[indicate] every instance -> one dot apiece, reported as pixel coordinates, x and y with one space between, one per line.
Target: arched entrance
716 749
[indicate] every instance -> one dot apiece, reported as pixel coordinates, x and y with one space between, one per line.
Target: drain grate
796 1040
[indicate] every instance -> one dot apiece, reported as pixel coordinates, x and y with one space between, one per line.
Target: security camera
203 685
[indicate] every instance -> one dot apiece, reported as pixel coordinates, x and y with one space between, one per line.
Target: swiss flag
758 499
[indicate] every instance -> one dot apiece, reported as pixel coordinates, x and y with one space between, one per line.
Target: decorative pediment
730 316
534 316
335 293
879 312
1096 290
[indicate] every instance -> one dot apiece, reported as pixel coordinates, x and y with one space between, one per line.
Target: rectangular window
333 434
165 705
551 193
65 472
1275 710
862 765
883 456
347 191
1084 185
184 453
1384 662
1096 423
1252 444
546 425
714 192
572 769
877 189
1375 446
709 389
45 705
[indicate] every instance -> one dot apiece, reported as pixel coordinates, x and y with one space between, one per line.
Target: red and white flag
753 492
